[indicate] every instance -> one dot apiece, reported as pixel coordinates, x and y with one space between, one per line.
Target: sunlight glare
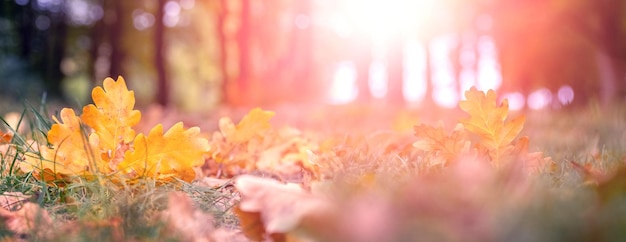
444 81
343 88
445 97
488 68
414 86
378 79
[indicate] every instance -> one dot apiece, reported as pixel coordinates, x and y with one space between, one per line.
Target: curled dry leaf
29 220
187 222
270 208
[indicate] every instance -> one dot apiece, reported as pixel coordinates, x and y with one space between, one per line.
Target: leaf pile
471 154
252 145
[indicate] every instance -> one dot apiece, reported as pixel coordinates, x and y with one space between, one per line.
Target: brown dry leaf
280 207
251 224
187 222
12 200
29 220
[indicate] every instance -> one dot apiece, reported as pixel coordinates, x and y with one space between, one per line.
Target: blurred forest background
197 54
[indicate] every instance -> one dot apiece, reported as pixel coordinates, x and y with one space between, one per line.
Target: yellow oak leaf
489 122
435 140
162 156
70 153
112 115
255 122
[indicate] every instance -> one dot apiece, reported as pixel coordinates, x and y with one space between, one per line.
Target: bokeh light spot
539 99
565 94
516 100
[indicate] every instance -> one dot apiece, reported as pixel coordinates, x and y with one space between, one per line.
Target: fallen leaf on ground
489 121
280 207
6 137
186 221
163 155
29 220
112 115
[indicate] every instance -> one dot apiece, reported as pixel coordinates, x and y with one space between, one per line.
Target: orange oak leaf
435 140
5 137
112 115
163 156
255 122
533 162
489 122
70 153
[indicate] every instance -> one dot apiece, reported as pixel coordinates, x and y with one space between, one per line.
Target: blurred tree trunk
395 71
96 34
221 38
610 58
299 53
24 22
243 42
428 77
55 36
115 30
455 58
162 95
363 59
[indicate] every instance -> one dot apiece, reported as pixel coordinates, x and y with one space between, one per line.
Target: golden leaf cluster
102 141
487 132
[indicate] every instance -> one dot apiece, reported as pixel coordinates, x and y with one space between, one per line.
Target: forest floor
341 173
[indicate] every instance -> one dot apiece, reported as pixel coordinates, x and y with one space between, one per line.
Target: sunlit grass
98 208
